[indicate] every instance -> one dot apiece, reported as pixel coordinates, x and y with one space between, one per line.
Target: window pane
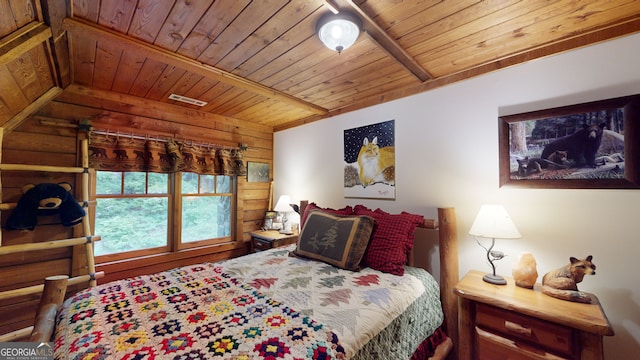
223 184
108 182
127 224
206 184
158 183
205 217
135 183
189 183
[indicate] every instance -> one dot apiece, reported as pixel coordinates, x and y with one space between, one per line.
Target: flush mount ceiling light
339 31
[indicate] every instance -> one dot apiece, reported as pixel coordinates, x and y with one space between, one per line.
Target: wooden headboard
445 227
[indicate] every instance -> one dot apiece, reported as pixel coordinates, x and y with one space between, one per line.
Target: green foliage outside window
205 216
127 224
133 211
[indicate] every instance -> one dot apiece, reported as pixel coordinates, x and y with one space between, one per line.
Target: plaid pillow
337 240
348 210
392 239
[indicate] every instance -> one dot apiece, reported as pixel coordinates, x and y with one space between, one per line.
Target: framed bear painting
582 146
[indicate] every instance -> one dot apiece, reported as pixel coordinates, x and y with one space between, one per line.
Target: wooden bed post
449 277
53 294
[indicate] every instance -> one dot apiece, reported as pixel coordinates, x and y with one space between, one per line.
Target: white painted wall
447 155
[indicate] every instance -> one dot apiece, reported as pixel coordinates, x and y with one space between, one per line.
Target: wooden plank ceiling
260 61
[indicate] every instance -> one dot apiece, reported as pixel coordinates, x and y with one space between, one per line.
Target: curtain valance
116 152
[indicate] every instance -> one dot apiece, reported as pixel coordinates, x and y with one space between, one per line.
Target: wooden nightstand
510 322
263 240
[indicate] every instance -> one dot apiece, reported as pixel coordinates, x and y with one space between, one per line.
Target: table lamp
493 222
283 206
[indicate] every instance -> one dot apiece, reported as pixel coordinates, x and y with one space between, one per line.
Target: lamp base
494 279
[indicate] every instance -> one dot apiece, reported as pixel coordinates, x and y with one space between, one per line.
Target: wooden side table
510 322
263 240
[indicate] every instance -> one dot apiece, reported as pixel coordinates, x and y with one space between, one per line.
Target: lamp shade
283 204
493 221
339 31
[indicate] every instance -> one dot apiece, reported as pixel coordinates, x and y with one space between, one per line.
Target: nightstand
263 240
510 322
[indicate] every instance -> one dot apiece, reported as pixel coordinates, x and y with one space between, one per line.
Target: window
136 212
206 207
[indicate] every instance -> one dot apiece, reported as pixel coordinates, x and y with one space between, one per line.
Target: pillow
392 239
348 210
337 240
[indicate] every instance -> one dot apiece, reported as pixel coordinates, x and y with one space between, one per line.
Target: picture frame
271 221
258 172
369 161
563 147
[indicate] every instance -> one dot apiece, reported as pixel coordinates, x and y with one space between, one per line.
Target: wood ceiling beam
23 40
152 109
389 45
36 105
585 39
85 29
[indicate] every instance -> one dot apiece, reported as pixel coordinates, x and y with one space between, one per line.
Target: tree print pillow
337 240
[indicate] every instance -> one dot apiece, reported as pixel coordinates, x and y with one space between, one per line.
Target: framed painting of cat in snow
370 161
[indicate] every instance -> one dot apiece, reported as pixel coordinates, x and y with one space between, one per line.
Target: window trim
174 222
177 230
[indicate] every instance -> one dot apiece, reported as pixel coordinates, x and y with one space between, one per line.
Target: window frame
177 229
174 218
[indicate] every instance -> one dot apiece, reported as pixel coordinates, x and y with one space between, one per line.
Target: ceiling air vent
187 100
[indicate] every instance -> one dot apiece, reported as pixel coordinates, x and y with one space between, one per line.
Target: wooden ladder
87 240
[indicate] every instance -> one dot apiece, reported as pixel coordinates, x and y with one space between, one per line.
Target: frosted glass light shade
339 31
283 204
493 221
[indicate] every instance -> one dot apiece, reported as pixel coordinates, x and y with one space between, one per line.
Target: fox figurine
562 283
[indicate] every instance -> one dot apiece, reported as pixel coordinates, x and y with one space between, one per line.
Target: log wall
50 137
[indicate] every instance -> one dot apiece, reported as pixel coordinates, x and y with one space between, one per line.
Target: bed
282 303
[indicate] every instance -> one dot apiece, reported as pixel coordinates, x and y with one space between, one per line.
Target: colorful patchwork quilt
355 305
261 306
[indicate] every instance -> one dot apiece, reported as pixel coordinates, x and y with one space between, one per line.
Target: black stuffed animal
45 199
